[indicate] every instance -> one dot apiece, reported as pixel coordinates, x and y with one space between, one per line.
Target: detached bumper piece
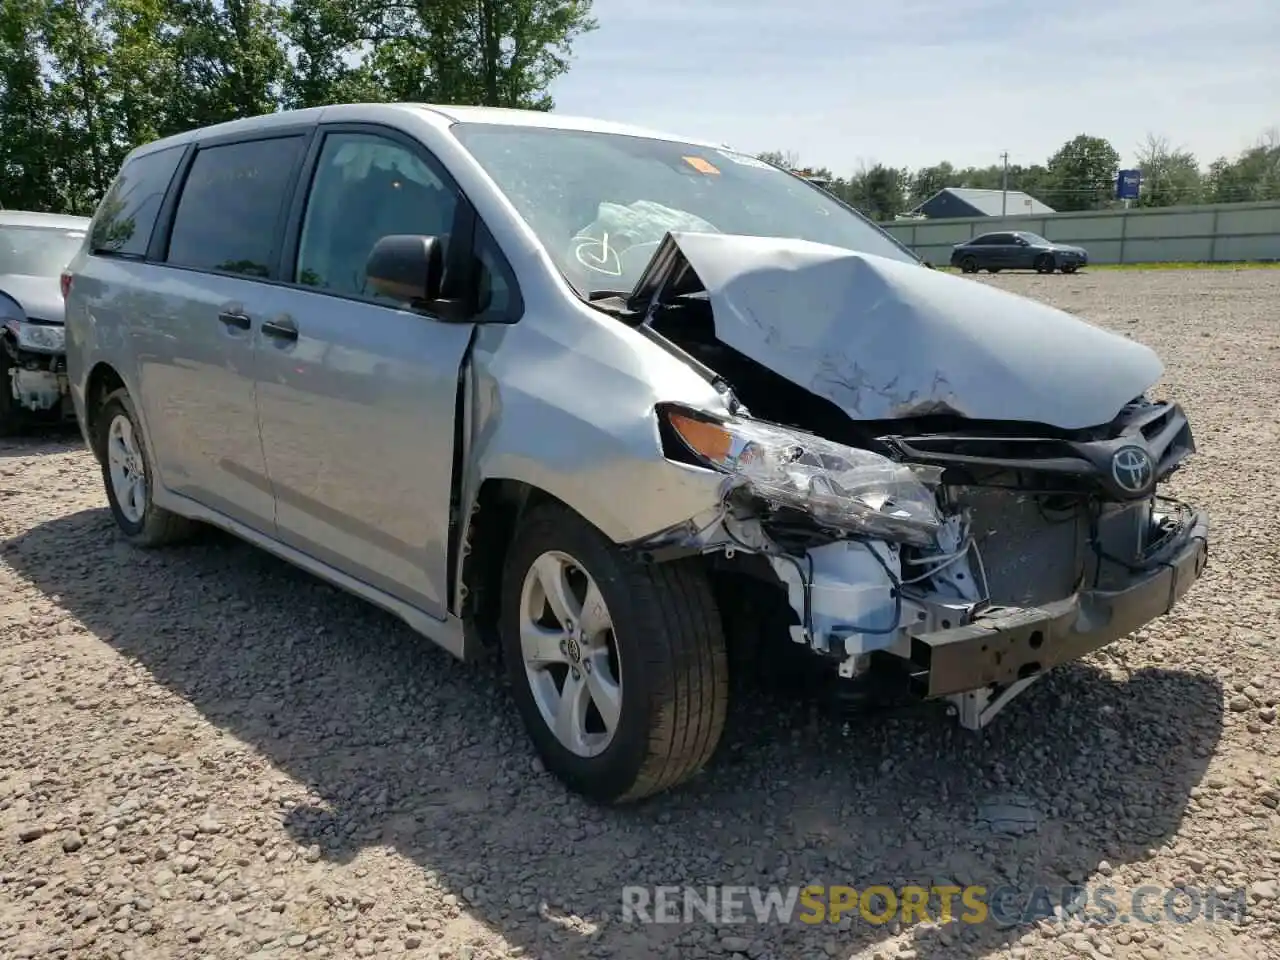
1006 645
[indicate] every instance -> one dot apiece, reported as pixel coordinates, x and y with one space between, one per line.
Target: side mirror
406 267
411 267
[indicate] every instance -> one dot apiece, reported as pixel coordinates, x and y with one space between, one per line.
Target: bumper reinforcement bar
1007 644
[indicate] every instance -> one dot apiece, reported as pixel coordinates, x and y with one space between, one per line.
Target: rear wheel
127 473
618 667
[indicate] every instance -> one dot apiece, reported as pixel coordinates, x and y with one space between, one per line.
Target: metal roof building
968 202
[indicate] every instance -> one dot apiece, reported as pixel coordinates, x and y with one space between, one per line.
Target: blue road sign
1128 184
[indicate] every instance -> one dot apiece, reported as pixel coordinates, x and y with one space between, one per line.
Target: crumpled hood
39 297
885 339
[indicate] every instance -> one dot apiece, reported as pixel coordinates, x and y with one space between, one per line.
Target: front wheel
1044 263
127 473
969 265
618 667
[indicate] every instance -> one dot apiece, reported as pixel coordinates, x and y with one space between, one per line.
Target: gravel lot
204 752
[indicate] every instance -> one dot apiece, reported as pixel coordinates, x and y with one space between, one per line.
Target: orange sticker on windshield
702 166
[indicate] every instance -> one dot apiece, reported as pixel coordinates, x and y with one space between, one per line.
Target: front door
357 393
194 329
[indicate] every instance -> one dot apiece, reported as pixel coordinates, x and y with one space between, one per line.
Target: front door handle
282 328
232 319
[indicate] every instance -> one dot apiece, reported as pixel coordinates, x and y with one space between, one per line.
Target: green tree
143 77
1082 174
78 56
927 181
879 192
1252 176
501 53
229 58
1169 176
28 178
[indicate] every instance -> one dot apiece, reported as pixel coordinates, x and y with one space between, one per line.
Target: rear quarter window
123 222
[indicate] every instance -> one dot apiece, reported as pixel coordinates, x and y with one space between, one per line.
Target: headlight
841 487
41 336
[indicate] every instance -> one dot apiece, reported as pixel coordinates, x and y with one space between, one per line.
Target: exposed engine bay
37 382
969 553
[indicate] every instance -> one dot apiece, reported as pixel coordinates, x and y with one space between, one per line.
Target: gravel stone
255 764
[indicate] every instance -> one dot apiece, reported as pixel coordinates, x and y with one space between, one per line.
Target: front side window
600 202
37 251
123 222
366 187
230 205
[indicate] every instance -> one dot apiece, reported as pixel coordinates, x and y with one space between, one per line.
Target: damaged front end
36 374
33 362
963 554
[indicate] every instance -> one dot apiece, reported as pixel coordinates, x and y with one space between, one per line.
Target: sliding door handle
281 328
237 320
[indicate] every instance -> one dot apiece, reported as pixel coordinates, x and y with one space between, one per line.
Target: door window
230 206
367 187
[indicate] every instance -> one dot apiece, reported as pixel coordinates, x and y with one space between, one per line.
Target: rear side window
123 222
230 206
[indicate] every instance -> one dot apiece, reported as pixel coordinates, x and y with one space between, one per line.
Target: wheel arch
103 380
485 534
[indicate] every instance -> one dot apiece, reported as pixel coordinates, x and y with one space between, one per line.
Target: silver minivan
625 405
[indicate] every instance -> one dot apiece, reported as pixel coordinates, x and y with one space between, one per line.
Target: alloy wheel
570 654
128 474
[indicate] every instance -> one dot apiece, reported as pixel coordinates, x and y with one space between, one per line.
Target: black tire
671 650
969 265
158 527
10 413
993 269
1044 263
1070 267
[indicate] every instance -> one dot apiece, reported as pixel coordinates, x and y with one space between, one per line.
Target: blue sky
913 82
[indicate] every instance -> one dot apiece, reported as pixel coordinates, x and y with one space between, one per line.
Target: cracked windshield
601 202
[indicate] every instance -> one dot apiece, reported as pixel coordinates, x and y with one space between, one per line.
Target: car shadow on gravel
408 749
36 440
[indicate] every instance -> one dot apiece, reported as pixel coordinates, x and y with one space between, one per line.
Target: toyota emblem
1132 470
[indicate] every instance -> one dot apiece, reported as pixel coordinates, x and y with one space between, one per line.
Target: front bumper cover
1004 645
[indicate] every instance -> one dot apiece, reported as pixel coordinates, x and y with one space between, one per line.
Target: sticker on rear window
702 166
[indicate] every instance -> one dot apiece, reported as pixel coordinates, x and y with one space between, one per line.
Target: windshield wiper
608 295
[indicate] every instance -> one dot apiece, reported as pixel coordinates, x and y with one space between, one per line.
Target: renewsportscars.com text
1003 905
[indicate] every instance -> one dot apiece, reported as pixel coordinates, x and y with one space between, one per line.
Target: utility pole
1004 198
